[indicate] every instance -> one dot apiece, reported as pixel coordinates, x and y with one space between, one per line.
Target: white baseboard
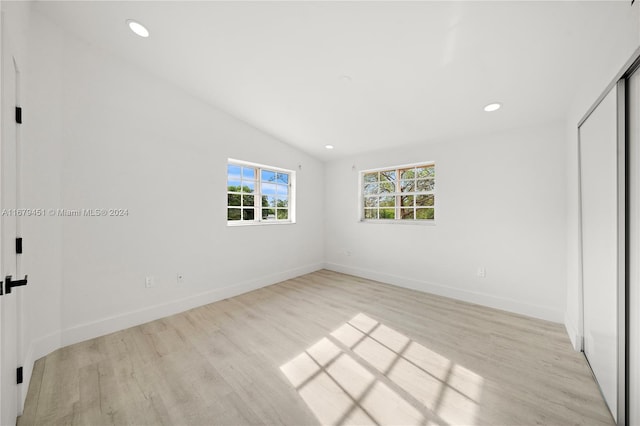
574 334
47 344
115 323
497 302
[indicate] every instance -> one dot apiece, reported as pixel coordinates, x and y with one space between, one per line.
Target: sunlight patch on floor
365 372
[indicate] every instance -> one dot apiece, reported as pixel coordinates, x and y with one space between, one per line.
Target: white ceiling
419 71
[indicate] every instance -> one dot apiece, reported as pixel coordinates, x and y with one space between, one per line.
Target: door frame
8 60
20 389
2 124
634 243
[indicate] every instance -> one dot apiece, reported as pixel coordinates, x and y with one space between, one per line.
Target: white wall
500 205
42 147
99 133
132 141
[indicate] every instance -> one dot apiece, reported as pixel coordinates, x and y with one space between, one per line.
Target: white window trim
422 222
258 209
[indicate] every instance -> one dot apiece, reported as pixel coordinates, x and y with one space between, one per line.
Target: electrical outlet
149 282
180 279
482 272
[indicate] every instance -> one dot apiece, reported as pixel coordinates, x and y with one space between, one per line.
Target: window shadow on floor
365 372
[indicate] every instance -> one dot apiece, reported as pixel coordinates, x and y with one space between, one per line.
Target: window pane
371 188
425 200
387 213
233 172
406 200
248 186
247 200
371 177
283 178
282 202
425 172
233 199
387 187
252 187
388 201
269 189
371 201
283 214
268 176
425 213
407 173
248 173
407 185
406 213
425 185
248 214
268 214
388 176
233 214
370 213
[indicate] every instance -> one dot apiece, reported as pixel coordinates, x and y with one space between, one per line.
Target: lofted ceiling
360 76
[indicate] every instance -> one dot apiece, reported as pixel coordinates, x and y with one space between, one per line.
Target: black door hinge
9 283
19 115
19 245
19 375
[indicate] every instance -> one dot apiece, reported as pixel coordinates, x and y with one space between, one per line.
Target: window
403 193
259 194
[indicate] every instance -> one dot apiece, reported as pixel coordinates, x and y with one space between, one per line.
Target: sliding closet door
634 247
599 182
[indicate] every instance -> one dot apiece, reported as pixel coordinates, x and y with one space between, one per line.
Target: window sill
399 222
258 223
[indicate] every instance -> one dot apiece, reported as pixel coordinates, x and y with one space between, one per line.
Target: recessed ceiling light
345 79
492 107
138 28
329 146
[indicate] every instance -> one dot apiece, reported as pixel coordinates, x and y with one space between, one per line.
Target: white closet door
599 191
634 248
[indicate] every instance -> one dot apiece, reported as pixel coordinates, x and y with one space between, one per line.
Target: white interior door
9 303
599 194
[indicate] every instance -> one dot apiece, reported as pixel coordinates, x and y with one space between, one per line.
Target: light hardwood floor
324 348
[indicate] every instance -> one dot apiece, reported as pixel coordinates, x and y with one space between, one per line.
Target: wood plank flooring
324 348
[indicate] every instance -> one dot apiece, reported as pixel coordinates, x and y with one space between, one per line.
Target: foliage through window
258 194
401 193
